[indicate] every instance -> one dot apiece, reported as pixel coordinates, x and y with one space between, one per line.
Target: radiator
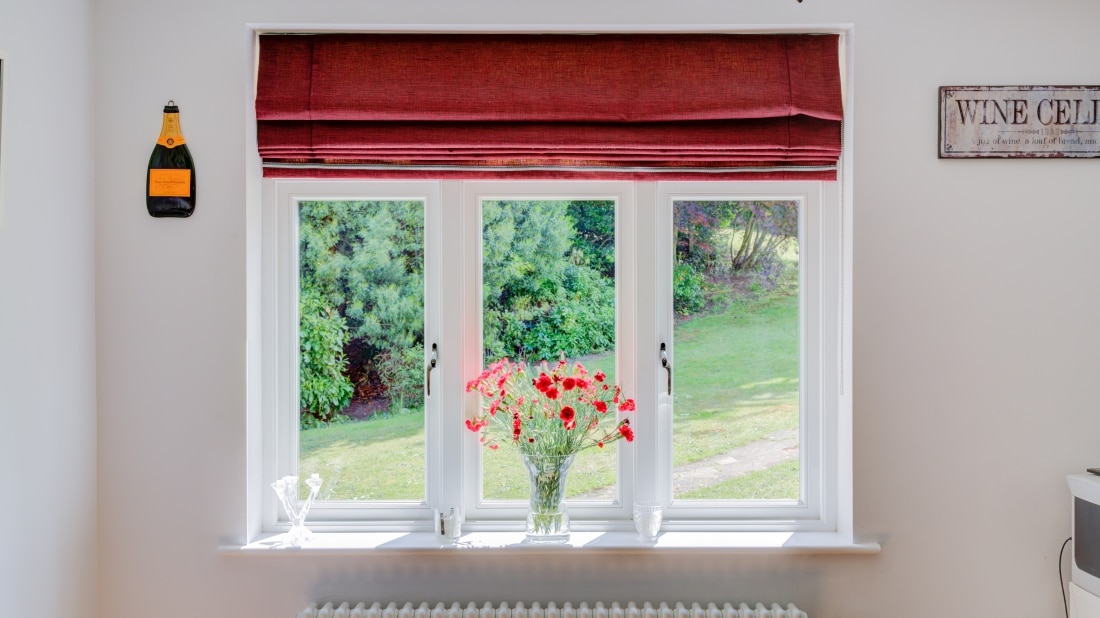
551 610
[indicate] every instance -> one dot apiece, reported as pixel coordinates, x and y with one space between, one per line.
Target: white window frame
643 263
280 337
820 263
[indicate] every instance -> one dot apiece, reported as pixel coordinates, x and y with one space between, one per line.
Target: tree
719 239
541 296
366 259
764 228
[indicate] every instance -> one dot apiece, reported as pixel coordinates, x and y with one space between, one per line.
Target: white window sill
351 543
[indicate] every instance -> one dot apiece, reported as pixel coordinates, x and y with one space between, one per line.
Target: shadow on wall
545 577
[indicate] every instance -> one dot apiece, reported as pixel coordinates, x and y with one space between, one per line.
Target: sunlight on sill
345 543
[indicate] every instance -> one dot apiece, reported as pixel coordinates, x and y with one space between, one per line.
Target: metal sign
981 122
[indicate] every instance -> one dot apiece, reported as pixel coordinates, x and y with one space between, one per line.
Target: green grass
376 459
736 376
779 482
736 383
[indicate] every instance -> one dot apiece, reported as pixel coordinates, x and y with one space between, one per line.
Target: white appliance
1084 578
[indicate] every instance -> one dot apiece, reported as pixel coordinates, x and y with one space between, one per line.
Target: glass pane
361 309
735 402
548 290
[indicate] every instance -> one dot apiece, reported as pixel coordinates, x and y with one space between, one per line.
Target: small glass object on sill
647 520
287 490
448 525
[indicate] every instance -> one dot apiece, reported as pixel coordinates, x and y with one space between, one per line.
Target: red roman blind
624 106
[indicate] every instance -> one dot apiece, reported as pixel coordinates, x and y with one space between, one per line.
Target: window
719 306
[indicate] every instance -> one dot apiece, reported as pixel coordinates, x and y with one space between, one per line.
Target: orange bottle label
169 183
170 134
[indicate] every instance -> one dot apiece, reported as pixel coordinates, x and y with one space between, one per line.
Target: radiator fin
551 610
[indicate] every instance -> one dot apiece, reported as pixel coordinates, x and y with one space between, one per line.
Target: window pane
361 302
548 293
736 303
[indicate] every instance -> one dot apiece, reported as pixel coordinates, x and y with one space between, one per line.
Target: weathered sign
1019 121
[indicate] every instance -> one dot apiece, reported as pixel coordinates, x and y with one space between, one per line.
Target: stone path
760 455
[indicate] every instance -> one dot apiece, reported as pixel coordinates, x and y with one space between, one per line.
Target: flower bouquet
548 417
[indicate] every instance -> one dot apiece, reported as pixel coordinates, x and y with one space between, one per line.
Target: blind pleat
690 103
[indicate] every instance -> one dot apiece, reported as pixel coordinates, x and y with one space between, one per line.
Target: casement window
665 220
736 407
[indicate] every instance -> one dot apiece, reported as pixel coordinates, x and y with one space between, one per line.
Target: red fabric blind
487 105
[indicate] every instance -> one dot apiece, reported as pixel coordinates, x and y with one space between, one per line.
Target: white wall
975 329
47 312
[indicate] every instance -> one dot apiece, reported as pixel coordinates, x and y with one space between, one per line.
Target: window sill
353 543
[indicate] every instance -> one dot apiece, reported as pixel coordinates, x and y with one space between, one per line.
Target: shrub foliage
548 283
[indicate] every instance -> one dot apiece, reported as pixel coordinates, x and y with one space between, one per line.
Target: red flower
551 393
599 444
567 414
475 425
494 446
544 382
627 431
600 406
568 384
627 406
600 376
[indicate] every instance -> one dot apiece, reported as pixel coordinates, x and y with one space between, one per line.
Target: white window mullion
443 449
466 225
653 446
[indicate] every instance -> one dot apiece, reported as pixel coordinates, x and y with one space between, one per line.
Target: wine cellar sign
982 122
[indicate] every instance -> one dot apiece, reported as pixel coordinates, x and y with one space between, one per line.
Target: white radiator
567 610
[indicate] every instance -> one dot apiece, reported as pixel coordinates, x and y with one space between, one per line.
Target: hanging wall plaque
170 182
982 122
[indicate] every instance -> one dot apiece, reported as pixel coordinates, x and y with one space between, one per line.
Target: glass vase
287 490
547 520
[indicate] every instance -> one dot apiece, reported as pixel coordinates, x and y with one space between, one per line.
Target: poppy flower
568 384
567 414
627 431
543 382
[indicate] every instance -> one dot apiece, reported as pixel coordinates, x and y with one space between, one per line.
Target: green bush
581 322
689 289
324 388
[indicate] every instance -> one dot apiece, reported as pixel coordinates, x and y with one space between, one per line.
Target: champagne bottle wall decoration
170 182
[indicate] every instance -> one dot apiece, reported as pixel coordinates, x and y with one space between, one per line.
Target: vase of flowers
548 414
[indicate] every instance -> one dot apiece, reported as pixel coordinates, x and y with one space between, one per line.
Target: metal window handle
668 367
431 365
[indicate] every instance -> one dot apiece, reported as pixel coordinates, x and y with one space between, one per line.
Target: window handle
667 365
431 365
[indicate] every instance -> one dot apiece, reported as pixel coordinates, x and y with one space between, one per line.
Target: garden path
760 455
